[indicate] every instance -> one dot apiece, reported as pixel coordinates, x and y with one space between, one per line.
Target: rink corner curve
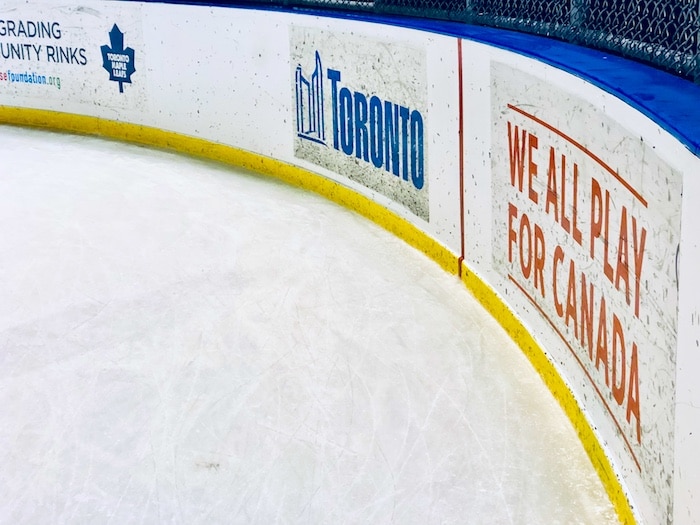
517 331
361 204
566 204
225 154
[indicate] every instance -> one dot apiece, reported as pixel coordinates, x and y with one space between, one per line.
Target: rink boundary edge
388 220
518 332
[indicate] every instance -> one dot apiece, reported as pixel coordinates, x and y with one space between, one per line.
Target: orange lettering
602 342
526 267
596 214
578 236
618 361
566 224
532 167
512 213
539 259
558 257
571 298
551 199
587 315
638 260
607 268
622 271
516 149
633 393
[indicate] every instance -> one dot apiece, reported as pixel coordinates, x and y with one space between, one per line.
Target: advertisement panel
361 111
586 226
89 54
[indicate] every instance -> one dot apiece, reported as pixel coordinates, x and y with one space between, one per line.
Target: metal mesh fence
663 33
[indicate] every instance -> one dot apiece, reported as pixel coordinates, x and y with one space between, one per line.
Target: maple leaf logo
117 60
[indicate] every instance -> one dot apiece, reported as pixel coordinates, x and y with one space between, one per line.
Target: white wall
591 167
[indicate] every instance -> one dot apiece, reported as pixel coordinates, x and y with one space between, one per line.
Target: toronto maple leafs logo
117 60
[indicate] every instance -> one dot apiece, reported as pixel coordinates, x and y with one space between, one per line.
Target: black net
663 33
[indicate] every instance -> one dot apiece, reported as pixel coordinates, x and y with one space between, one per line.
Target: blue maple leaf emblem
117 60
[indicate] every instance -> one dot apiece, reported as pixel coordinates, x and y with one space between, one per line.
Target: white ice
185 343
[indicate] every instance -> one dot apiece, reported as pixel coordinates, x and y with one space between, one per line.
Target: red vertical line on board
461 156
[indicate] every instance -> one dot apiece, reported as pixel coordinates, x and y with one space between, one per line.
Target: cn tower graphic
310 123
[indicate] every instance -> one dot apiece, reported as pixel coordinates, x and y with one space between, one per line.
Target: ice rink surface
185 343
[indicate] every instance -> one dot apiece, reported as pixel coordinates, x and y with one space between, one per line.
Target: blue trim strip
670 101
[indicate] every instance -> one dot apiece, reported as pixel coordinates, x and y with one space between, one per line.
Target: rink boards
565 209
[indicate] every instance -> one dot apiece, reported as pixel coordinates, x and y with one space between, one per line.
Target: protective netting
663 33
